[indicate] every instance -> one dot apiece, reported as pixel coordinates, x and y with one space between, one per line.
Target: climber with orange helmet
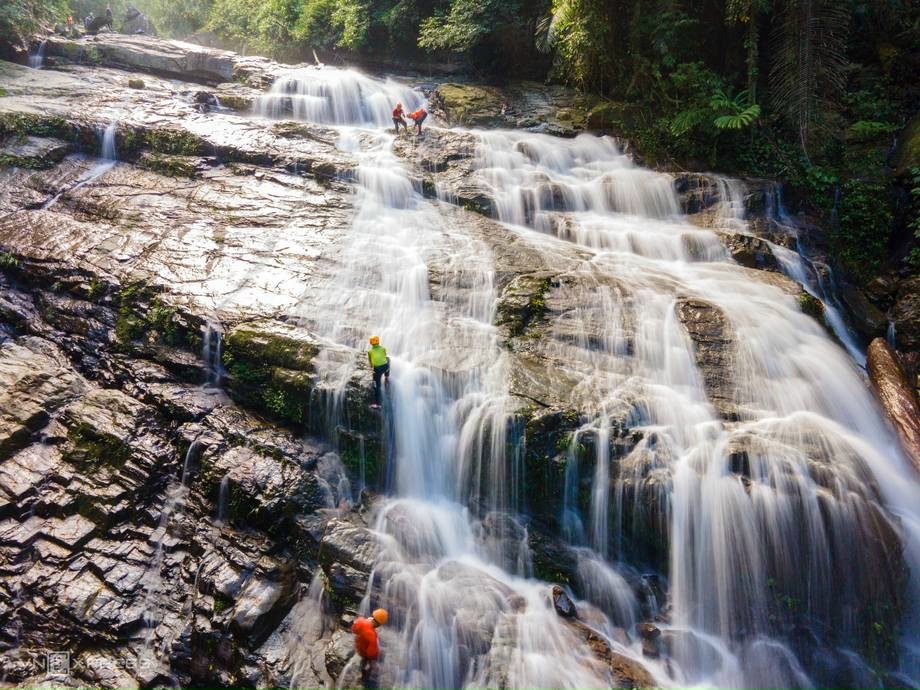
367 645
418 117
380 363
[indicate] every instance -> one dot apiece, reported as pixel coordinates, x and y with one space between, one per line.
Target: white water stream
790 499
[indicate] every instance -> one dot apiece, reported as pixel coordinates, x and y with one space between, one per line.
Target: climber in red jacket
366 644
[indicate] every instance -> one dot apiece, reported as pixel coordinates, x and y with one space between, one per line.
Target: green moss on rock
93 448
172 166
523 303
173 141
271 368
812 306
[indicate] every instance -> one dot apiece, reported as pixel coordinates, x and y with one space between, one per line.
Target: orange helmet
375 340
381 616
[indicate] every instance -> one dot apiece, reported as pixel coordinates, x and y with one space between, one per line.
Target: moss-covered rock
523 303
466 104
604 116
172 166
36 153
812 306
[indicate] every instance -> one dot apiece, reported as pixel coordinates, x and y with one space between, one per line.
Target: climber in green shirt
377 356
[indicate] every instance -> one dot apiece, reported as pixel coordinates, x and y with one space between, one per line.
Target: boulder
708 329
626 672
136 22
339 650
750 251
906 315
897 395
563 605
149 54
348 554
868 319
468 105
261 604
881 290
37 153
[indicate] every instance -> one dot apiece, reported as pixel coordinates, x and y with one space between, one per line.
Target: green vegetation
94 448
21 18
8 260
270 371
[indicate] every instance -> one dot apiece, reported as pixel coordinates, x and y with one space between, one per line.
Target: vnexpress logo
58 663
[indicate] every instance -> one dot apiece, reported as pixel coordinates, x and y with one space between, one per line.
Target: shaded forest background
819 94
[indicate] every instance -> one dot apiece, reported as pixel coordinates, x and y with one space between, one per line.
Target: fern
741 112
738 120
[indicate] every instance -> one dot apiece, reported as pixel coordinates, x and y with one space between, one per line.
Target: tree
747 13
177 19
807 73
579 32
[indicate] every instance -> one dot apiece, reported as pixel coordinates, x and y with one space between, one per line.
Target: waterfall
108 155
766 484
223 501
211 353
173 508
37 59
191 456
107 148
335 96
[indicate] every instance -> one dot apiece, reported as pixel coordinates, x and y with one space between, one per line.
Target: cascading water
757 509
107 153
37 59
795 264
335 97
784 488
211 352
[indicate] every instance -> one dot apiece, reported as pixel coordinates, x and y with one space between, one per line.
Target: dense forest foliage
818 93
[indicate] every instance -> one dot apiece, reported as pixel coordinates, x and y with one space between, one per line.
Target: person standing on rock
418 117
398 119
380 362
367 645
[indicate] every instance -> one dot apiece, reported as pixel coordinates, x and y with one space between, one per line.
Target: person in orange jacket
367 645
418 117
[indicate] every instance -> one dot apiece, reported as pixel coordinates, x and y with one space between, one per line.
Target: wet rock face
906 315
707 328
106 551
898 396
868 319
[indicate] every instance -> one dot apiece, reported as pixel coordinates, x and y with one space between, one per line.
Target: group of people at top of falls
418 117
